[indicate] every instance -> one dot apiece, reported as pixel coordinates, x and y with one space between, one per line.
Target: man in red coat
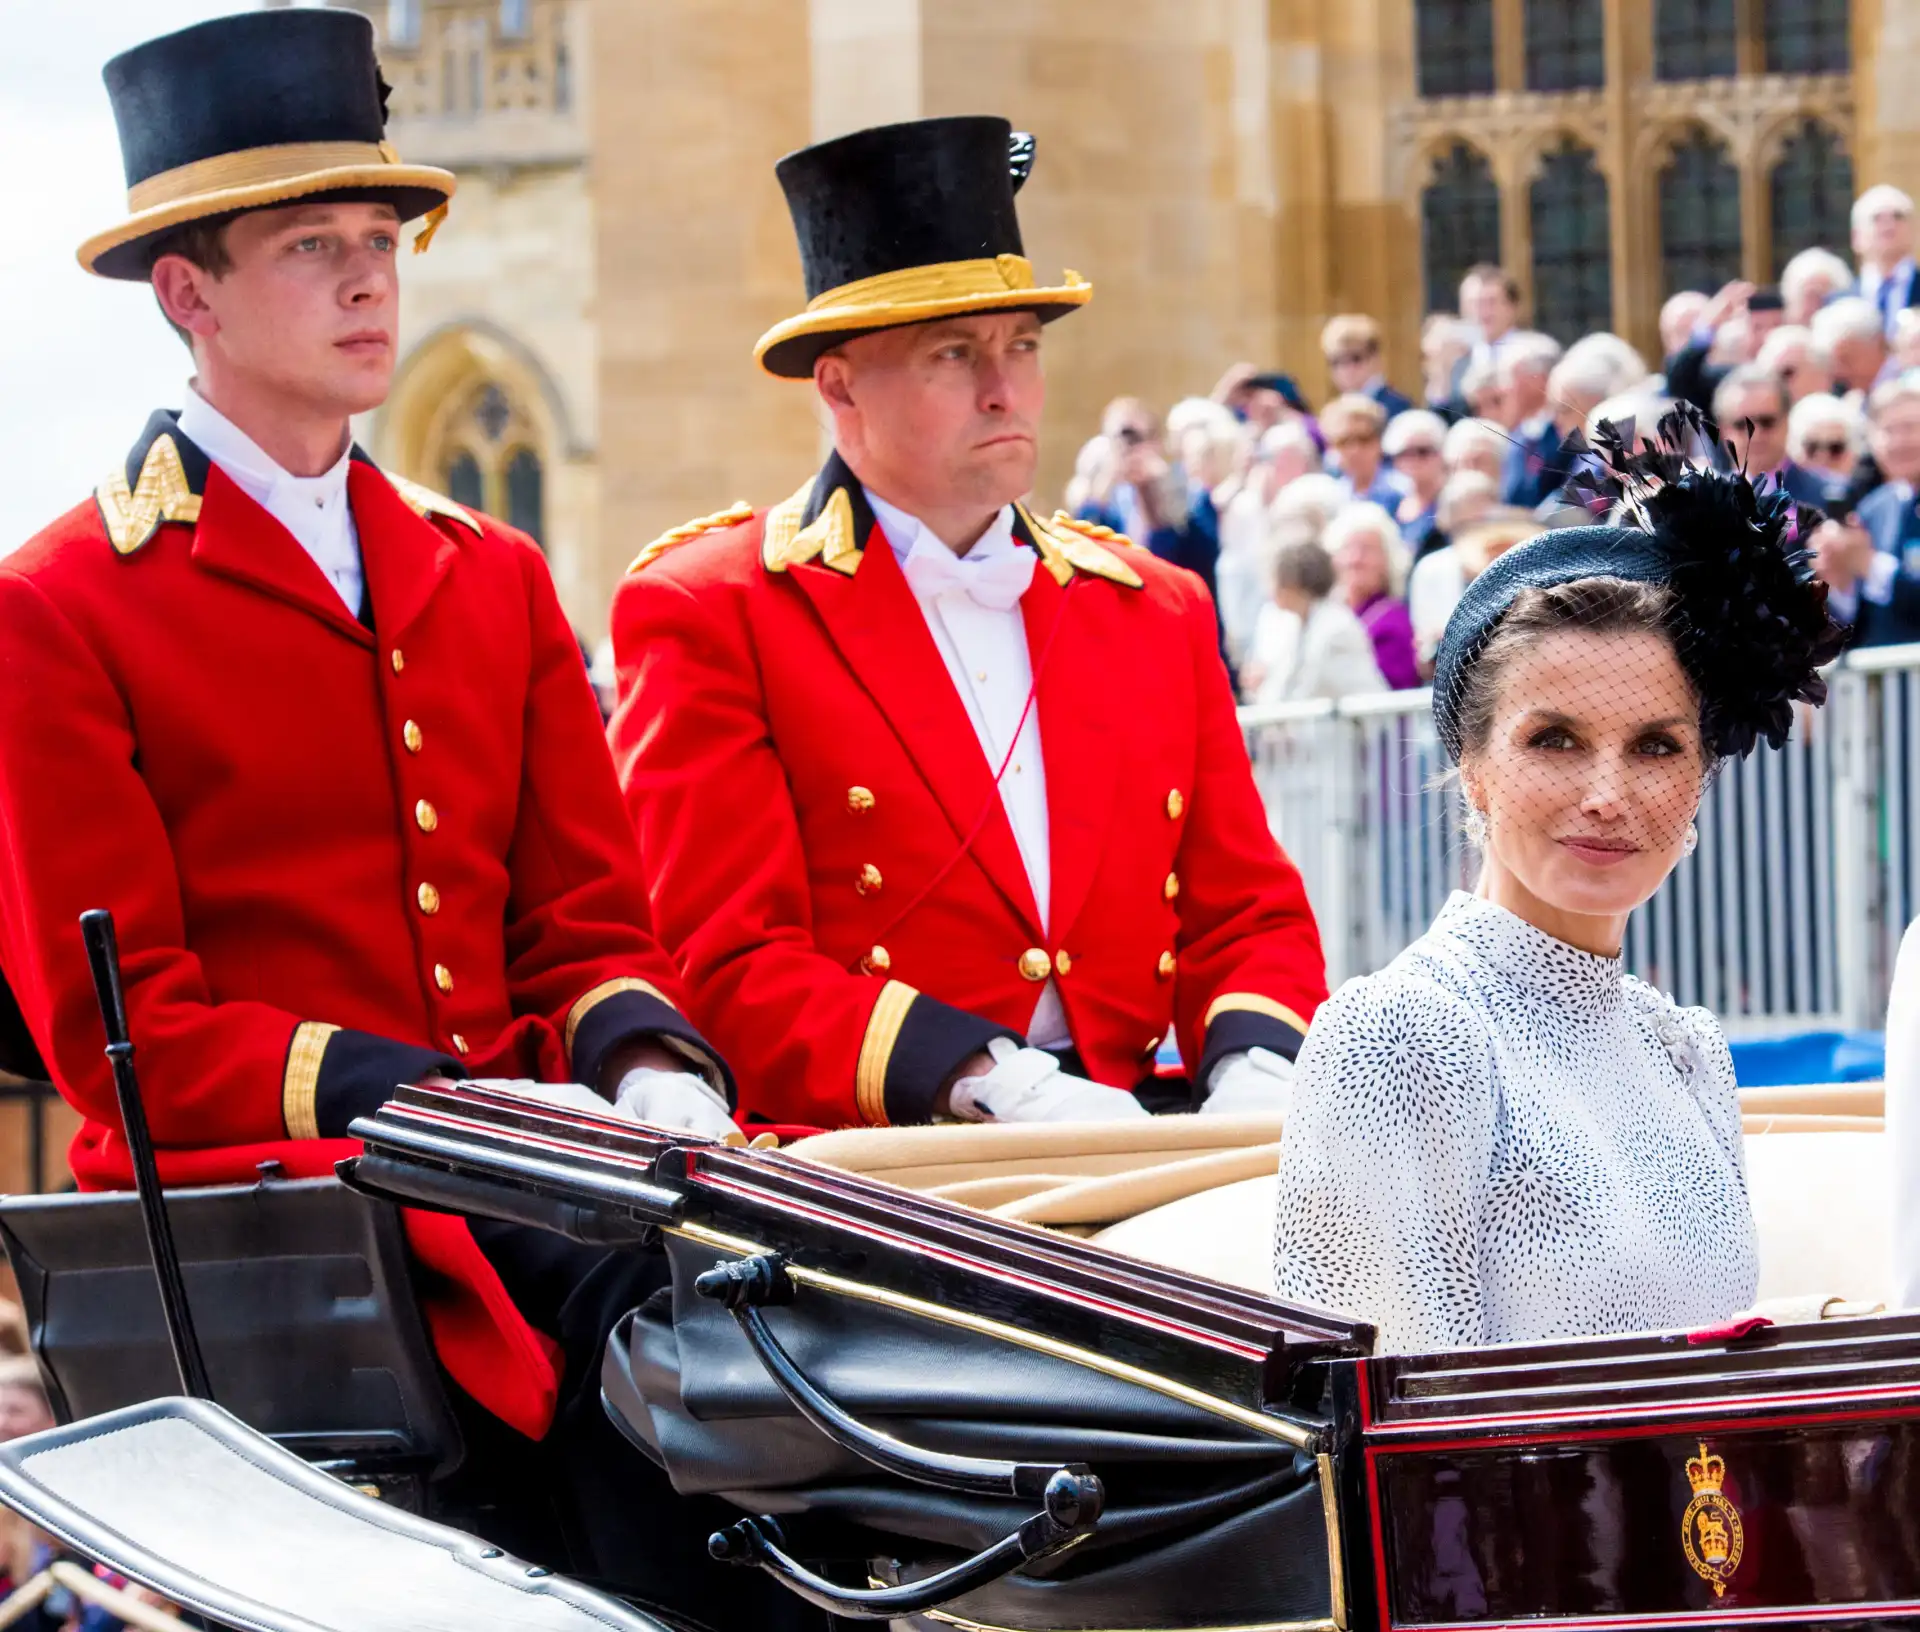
944 809
324 744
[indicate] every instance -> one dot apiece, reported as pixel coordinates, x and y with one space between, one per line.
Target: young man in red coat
324 744
944 809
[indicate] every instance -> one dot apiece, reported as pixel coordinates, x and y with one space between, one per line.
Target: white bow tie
996 581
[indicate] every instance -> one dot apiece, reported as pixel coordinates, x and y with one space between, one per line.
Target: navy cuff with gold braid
630 1011
1238 1021
913 1044
333 1076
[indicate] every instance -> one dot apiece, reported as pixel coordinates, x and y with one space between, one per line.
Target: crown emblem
1711 1532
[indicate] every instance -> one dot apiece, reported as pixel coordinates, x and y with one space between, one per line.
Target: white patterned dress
1499 1137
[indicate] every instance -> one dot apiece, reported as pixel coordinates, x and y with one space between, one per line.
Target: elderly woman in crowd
1484 393
1413 442
1353 426
1308 644
1810 280
1370 570
1283 455
1826 435
1439 580
1477 445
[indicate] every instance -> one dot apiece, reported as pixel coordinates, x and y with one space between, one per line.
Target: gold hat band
947 280
254 167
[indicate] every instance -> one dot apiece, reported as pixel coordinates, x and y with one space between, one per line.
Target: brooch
1679 1046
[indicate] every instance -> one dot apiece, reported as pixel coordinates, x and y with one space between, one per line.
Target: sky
83 360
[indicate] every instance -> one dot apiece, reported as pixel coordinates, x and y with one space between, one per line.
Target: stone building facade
1225 172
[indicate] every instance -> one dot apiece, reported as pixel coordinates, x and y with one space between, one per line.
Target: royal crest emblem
1710 1530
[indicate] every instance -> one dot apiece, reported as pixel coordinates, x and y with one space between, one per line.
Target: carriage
981 1378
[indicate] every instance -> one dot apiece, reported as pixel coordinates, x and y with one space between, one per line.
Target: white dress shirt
972 607
312 508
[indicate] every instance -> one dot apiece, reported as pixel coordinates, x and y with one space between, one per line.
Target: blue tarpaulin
1810 1056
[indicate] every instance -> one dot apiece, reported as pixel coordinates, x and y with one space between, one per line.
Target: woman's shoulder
1690 1034
1412 1017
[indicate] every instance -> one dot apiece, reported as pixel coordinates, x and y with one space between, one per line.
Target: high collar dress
1501 1138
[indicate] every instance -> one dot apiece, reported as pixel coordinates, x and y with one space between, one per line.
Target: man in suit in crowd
1737 313
946 807
1750 407
1871 560
1351 345
1533 467
1883 245
1856 340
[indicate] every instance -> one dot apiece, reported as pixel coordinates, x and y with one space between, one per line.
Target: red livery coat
831 863
337 859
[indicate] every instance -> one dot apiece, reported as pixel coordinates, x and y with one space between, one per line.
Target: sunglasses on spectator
1347 359
1132 435
1418 450
1351 439
1832 450
1760 422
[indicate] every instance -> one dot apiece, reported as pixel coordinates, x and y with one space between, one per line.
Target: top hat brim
124 251
789 349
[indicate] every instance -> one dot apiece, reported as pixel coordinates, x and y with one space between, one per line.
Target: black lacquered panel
1818 1517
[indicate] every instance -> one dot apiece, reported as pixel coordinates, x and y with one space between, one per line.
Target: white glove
666 1099
674 1099
1257 1082
1027 1085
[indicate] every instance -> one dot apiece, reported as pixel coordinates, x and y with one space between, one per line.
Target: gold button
1172 886
876 962
868 883
429 899
1152 1048
1165 966
459 1043
399 660
1176 804
443 977
410 735
429 819
1035 964
1062 963
859 800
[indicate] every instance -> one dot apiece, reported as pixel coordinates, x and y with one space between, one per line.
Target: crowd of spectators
1337 540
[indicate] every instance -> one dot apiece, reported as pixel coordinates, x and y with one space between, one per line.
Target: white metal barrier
1786 918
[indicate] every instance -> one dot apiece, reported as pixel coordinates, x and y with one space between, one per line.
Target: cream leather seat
1197 1193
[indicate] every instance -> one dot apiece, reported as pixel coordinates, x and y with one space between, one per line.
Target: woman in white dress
1502 1136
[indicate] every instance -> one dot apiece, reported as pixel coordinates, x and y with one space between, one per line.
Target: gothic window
526 507
1695 39
1807 37
1572 239
403 22
513 19
476 81
1699 217
463 481
1566 45
1454 46
1459 223
449 82
1812 188
562 78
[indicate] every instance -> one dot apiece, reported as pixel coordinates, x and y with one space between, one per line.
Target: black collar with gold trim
829 519
165 475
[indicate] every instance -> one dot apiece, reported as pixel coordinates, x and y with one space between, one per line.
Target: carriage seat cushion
1820 1205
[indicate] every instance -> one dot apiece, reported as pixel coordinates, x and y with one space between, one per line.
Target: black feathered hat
905 223
1749 619
245 112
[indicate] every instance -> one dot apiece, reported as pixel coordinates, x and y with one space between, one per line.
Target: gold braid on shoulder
732 516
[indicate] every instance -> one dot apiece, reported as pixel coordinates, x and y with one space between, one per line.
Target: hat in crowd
905 223
1749 619
1285 385
249 111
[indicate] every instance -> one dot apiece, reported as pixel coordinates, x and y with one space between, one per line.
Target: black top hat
904 223
249 111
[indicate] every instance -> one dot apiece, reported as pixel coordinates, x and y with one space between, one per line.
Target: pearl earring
1691 842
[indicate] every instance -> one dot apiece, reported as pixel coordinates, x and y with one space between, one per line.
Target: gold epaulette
1092 529
423 501
732 516
133 515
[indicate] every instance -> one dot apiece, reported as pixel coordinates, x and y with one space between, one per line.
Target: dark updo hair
1593 606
